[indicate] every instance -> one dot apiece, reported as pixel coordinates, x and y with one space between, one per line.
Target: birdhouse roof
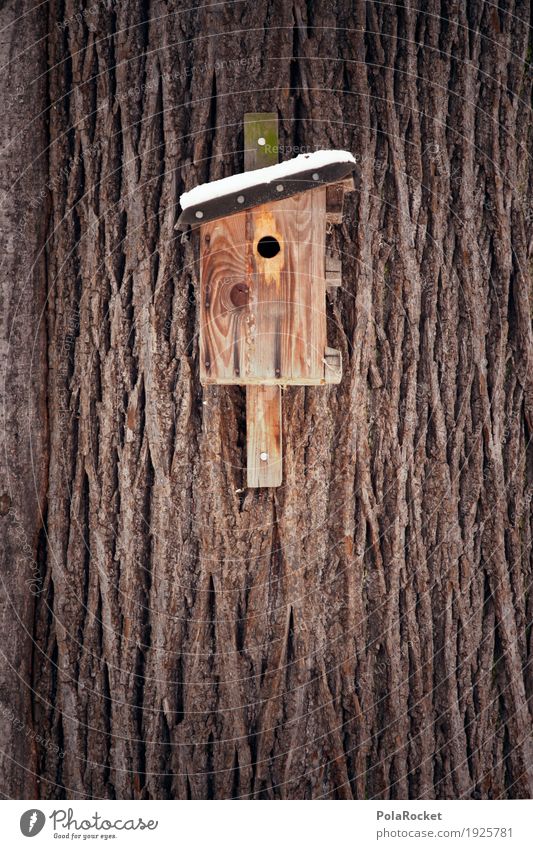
224 197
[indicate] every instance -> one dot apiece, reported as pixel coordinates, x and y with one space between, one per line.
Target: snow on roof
261 176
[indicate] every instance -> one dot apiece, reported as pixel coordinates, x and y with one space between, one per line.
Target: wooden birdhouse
263 279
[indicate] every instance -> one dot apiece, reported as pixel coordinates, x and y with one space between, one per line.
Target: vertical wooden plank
225 333
263 436
260 140
263 403
287 297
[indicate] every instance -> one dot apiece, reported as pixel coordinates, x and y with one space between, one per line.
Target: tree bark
364 631
23 377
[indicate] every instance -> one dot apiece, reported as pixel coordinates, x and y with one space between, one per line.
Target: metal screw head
199 213
263 455
240 199
261 141
315 176
279 188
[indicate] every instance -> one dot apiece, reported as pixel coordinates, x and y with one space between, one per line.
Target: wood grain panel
263 436
263 319
225 326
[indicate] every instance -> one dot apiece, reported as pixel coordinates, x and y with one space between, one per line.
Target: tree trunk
361 631
23 379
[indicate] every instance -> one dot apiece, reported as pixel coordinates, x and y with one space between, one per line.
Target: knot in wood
239 295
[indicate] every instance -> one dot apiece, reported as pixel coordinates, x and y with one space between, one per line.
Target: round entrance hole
268 247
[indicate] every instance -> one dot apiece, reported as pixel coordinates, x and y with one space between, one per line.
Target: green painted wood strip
260 125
